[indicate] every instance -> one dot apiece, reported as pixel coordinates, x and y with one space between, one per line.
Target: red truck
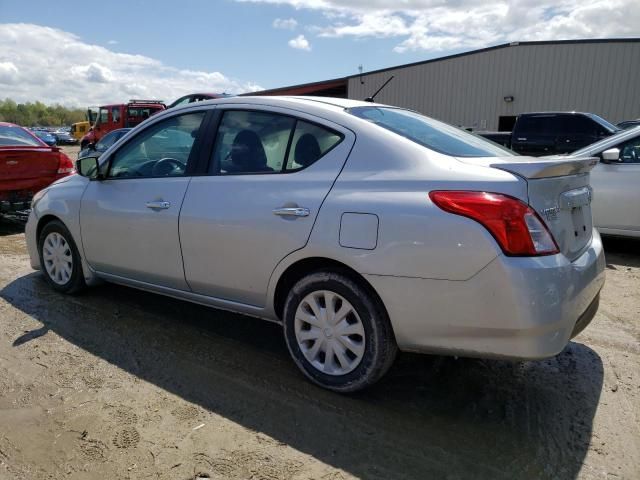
27 165
121 115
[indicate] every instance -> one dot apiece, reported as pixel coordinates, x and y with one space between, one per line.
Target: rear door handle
292 212
159 205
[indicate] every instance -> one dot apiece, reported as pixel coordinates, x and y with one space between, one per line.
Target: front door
268 176
129 220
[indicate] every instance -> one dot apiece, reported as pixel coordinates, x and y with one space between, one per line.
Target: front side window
103 116
430 133
162 150
630 151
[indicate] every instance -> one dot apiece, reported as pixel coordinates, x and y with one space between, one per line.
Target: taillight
65 165
515 225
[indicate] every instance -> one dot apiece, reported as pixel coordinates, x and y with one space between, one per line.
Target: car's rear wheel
338 332
59 258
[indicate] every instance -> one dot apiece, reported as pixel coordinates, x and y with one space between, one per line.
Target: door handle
292 212
160 205
521 139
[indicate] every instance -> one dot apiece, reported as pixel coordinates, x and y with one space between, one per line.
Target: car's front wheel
59 258
338 332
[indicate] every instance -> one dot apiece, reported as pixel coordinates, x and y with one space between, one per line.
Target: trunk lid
18 163
559 191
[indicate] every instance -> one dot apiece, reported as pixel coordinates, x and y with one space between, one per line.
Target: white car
616 183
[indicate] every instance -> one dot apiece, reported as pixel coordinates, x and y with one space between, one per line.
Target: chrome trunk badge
551 213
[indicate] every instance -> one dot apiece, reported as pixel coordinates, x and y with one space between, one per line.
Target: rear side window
264 142
430 133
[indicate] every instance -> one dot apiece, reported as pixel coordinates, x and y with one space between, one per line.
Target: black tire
75 283
380 346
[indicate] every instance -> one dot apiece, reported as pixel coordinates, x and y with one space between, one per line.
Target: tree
33 114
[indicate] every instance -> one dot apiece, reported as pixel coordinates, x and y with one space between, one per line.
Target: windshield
430 133
17 137
613 140
608 126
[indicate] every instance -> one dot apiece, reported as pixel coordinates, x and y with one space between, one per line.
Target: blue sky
232 37
85 52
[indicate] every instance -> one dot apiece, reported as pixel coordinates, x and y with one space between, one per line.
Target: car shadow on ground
430 417
622 251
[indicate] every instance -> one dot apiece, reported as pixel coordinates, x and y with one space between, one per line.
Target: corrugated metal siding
602 78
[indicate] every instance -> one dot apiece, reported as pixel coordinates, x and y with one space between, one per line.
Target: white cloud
300 43
442 25
79 74
112 42
285 23
8 73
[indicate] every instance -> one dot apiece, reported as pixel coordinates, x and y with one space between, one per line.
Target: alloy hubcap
58 260
329 332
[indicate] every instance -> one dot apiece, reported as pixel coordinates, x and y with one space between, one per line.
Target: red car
27 165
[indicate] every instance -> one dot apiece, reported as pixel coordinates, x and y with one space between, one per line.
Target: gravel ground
122 384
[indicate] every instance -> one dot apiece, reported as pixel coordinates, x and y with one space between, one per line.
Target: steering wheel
167 166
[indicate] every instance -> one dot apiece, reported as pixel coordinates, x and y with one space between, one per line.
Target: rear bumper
519 308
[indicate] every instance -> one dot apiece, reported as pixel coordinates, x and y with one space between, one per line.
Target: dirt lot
122 384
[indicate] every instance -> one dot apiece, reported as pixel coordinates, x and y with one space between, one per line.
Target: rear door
269 172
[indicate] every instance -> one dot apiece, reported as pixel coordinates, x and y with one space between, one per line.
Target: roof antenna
360 68
370 99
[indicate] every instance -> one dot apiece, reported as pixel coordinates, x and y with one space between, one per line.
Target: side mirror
89 167
611 156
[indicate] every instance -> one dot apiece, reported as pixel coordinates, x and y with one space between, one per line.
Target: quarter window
310 142
161 150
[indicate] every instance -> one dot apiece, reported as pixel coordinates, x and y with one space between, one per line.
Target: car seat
307 150
247 153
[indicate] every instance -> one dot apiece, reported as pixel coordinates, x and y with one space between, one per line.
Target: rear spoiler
547 167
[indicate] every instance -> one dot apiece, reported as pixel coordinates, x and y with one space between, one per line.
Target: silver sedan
361 228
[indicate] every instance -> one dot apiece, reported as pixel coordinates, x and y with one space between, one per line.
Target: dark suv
550 133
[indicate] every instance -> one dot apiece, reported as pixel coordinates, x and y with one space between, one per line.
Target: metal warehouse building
486 89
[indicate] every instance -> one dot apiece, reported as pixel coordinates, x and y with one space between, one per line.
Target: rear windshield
430 133
17 137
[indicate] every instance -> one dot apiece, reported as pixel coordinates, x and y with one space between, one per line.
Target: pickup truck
552 133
